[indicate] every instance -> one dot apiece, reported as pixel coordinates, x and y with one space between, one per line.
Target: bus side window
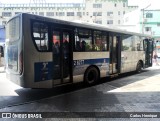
83 40
40 36
100 41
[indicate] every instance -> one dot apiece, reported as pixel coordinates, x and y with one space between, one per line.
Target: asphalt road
127 93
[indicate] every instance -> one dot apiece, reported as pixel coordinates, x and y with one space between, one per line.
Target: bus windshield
13 30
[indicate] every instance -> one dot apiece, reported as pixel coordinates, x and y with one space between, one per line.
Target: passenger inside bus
66 48
78 47
83 45
56 53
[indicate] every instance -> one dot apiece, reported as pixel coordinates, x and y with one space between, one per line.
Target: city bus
45 52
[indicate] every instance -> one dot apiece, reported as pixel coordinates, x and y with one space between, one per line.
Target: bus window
83 40
126 43
140 44
40 36
13 30
100 41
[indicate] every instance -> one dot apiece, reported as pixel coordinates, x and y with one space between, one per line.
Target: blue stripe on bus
81 65
44 70
91 61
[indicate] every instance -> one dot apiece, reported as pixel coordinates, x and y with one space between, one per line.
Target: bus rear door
115 54
62 56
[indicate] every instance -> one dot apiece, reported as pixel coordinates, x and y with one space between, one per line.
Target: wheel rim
91 76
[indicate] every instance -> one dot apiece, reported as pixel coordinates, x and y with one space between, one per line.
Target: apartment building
106 12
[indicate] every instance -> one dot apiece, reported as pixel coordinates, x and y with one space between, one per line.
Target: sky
140 3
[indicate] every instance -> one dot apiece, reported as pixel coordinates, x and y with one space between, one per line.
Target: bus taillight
20 62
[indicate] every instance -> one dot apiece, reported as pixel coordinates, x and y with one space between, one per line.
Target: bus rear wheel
91 76
139 67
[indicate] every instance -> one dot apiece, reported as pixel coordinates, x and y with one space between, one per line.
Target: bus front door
62 63
115 54
148 52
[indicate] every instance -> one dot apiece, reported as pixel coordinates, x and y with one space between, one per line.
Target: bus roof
84 24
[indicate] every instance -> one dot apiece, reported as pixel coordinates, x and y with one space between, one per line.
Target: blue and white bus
45 52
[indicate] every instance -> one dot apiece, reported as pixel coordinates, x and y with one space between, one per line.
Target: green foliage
125 48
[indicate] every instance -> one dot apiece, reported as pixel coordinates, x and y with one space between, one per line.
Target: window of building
97 13
158 24
40 36
49 13
119 22
149 15
60 14
124 5
87 13
110 13
115 5
70 13
124 12
6 14
17 12
98 21
109 21
4 22
119 13
147 29
76 5
97 5
41 13
79 13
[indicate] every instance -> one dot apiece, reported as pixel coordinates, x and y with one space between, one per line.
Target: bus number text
78 62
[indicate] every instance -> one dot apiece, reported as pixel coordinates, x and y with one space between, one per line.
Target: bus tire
139 67
91 76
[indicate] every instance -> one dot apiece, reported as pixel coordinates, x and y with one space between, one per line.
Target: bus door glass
114 54
148 43
61 56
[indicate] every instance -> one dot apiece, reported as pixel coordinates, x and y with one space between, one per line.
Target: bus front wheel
91 76
139 67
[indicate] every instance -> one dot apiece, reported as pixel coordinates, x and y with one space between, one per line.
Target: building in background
145 20
150 22
106 12
131 21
